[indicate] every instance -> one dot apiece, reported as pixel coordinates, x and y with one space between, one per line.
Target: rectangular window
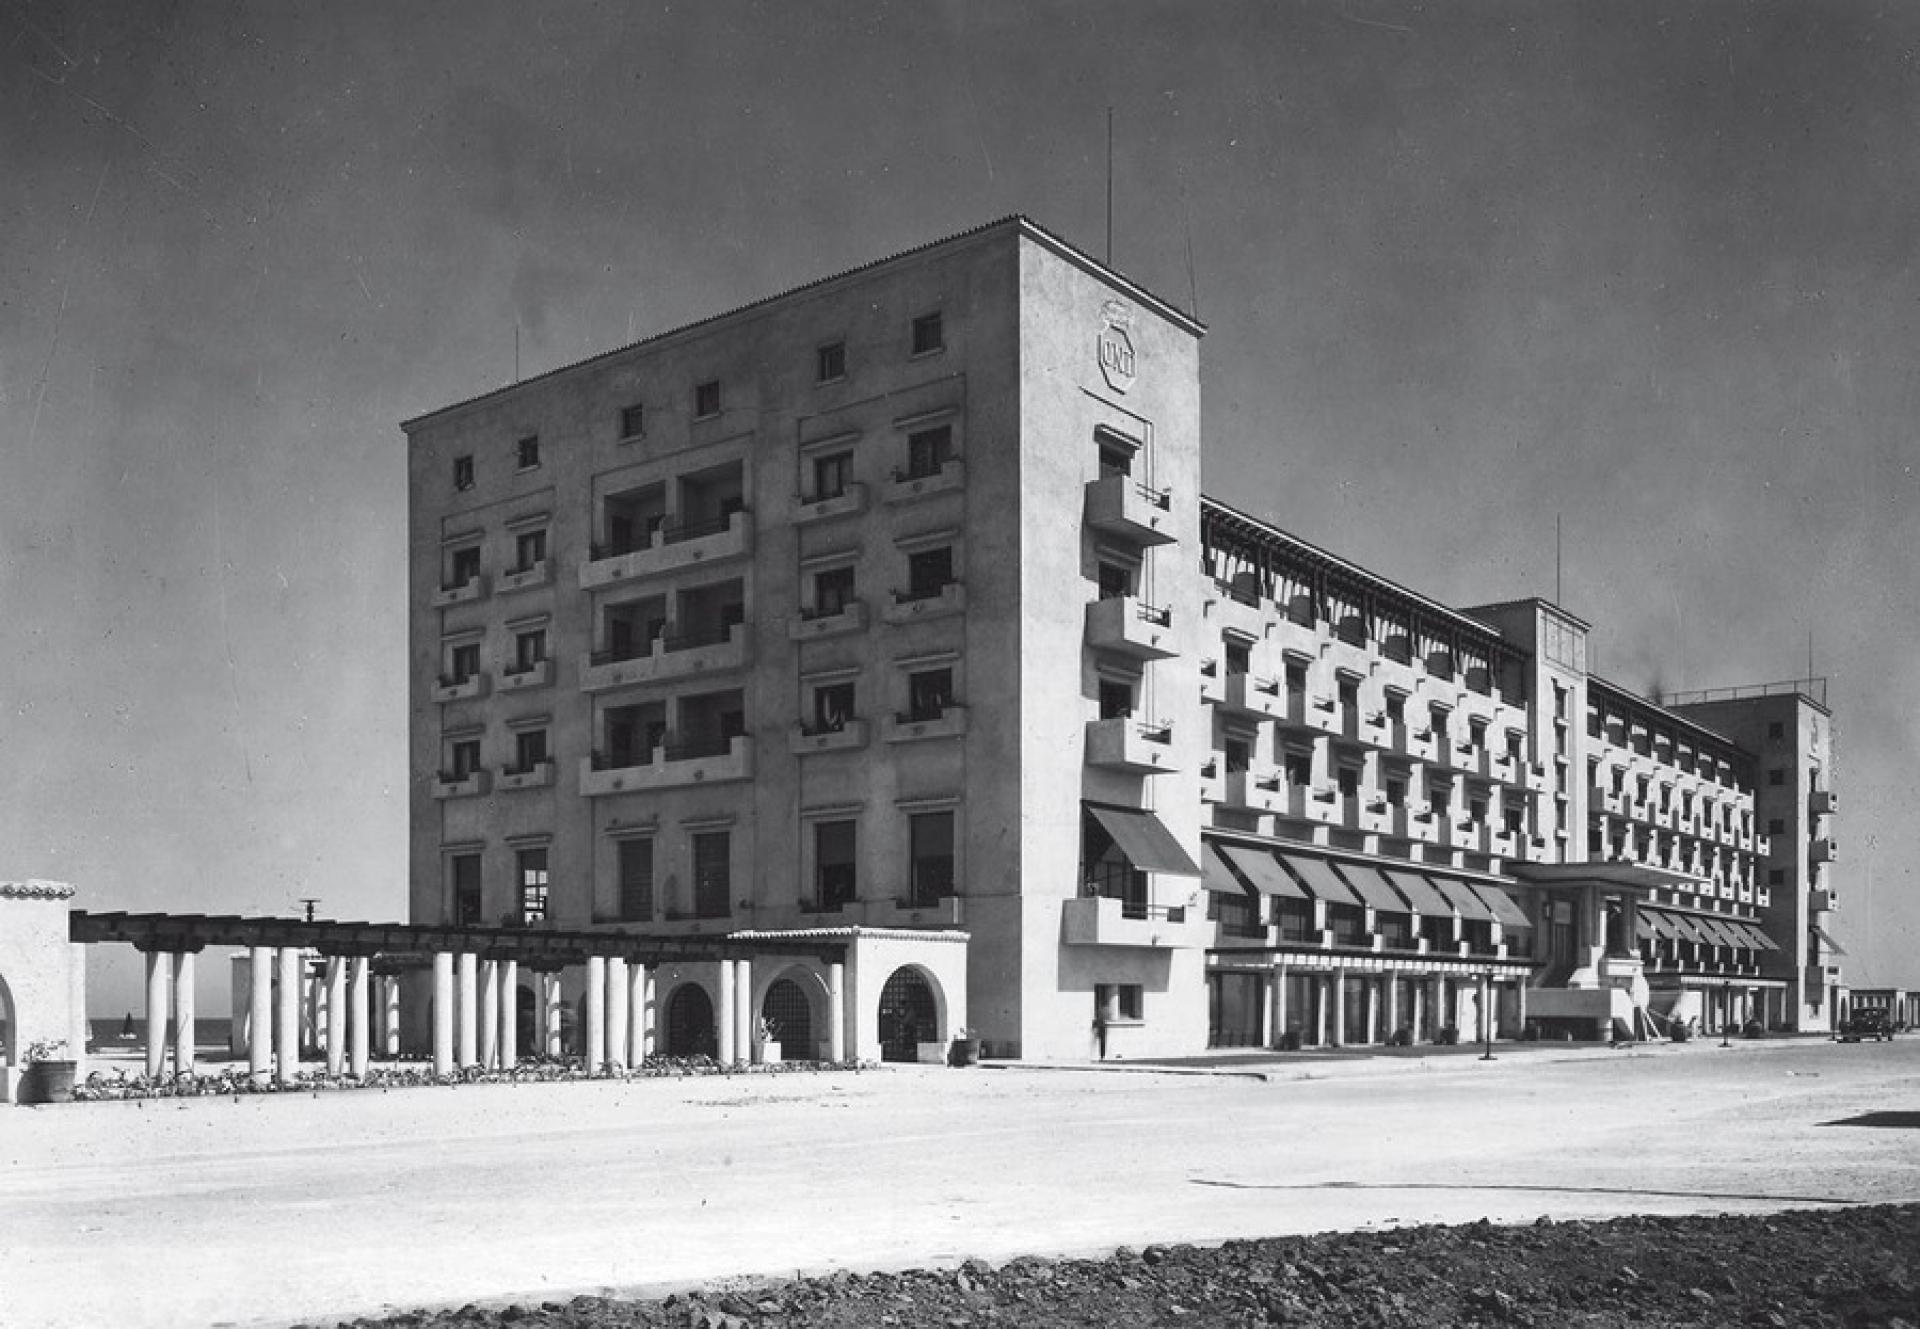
527 452
832 708
930 841
529 650
928 450
834 874
463 662
633 421
1116 699
1299 769
1120 1001
529 750
1238 755
929 334
532 868
1776 826
832 474
463 759
529 550
1115 459
1776 729
1776 876
832 592
706 399
463 566
929 692
466 890
463 472
712 874
1776 776
636 880
1239 657
830 362
1116 582
928 572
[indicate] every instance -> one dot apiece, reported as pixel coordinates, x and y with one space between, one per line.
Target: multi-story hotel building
890 608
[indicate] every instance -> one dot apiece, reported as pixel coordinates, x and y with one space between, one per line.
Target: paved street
272 1210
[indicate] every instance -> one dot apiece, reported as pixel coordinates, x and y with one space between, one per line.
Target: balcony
453 688
846 503
1119 506
672 548
1260 791
948 722
521 579
450 785
948 911
669 657
535 776
1213 691
912 607
907 486
1126 626
1124 744
1102 920
1821 901
812 625
1822 803
518 678
1822 849
1250 694
473 588
804 741
1411 823
1213 785
670 768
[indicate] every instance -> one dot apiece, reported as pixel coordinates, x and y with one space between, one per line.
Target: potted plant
769 1040
49 1075
964 1050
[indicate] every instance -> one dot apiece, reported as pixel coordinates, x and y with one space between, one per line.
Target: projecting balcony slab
1100 920
1822 803
951 722
1822 850
1119 505
518 678
814 626
1126 626
537 776
1250 694
473 588
849 737
460 689
667 771
670 554
949 479
905 608
1258 791
668 659
1124 744
470 785
846 503
523 579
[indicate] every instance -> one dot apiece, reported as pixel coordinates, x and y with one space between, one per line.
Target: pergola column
489 1014
550 1022
183 1013
157 976
1520 1001
287 1015
1483 1022
1338 1034
1438 997
336 1014
618 996
837 1012
1278 1003
467 976
743 1012
1393 1004
390 1015
596 1012
723 1015
442 1012
260 1013
639 1012
509 1014
1371 995
360 968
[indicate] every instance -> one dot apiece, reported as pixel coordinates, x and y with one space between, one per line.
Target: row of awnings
1298 876
1705 929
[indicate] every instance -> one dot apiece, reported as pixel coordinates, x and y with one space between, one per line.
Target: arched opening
690 1031
909 1016
527 1035
787 1009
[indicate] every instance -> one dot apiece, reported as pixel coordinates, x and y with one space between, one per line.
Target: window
1119 1001
1116 699
832 707
463 472
1349 697
636 880
1348 781
1116 582
1776 825
463 566
1238 755
706 399
463 662
466 890
712 874
1239 657
834 874
1516 820
1777 776
1776 876
1299 769
1776 729
929 335
532 869
633 421
526 452
830 362
463 759
1396 792
1115 459
529 550
930 846
928 572
832 592
1296 678
1396 708
529 750
928 450
832 474
929 693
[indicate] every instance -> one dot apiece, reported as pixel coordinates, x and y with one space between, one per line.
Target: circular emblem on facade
1116 345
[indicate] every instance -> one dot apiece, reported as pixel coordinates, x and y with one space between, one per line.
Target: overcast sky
1649 268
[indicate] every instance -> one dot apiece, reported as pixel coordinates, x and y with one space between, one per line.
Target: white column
239 990
743 1013
618 994
336 1014
183 1014
723 1014
1279 1004
1520 1002
1393 1004
359 969
639 1013
509 1014
286 1034
467 974
1416 1002
596 1012
390 1015
837 1011
489 1013
1483 1023
1337 1036
157 975
442 1012
550 1004
260 1013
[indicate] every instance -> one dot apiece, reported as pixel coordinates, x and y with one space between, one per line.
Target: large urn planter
963 1051
47 1082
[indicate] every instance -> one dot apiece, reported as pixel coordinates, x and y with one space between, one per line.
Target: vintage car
1865 1024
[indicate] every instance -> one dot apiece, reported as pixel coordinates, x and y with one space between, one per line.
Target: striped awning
1373 887
1320 878
1146 841
1505 908
1263 872
1462 898
1215 875
1426 899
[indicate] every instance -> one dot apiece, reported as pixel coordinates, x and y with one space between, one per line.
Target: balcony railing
1119 505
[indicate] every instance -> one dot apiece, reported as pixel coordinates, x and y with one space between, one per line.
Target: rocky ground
1855 1268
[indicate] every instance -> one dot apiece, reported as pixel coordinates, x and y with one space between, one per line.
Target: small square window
633 421
929 693
830 362
527 452
529 750
832 707
928 334
833 591
463 472
1776 776
706 399
1776 729
463 759
1776 826
462 566
831 475
928 573
529 650
463 662
927 451
530 550
1776 876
